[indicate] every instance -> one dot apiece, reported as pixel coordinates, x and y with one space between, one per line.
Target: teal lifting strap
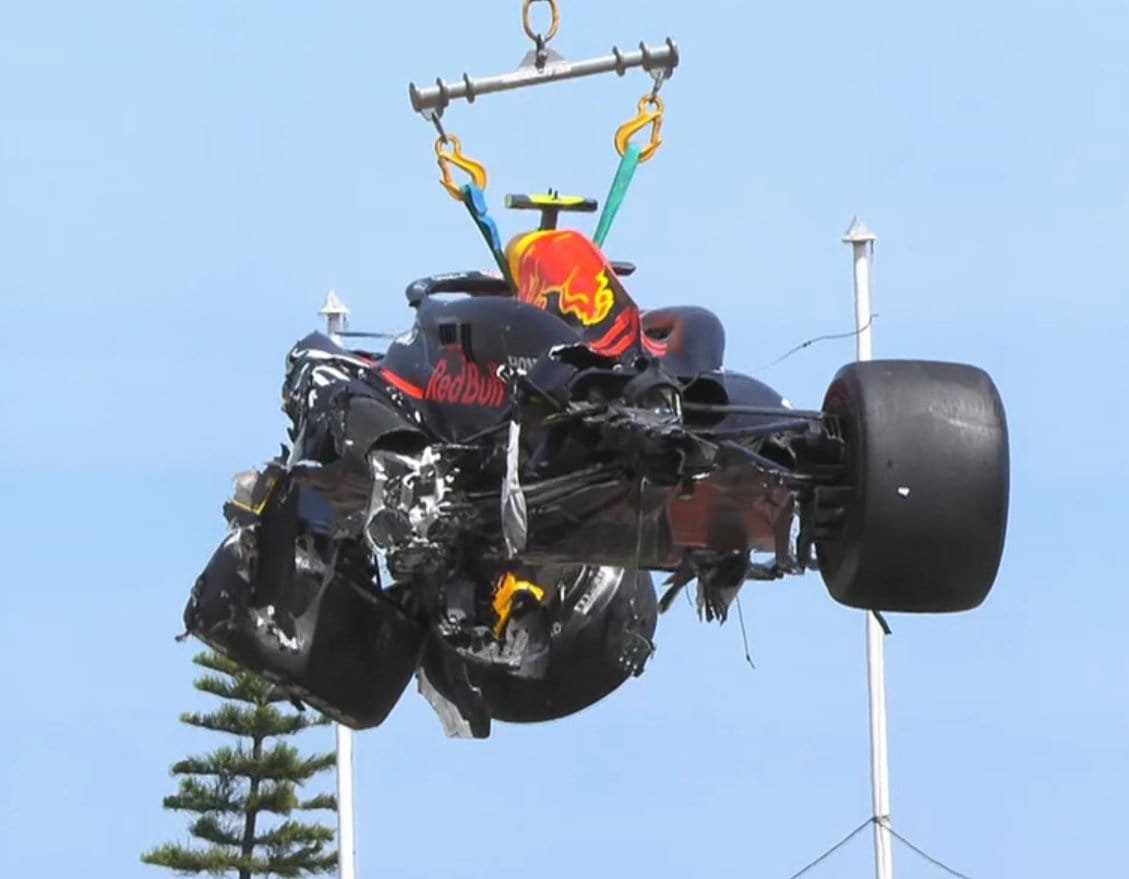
623 175
475 200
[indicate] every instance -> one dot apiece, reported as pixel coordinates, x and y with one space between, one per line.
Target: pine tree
234 790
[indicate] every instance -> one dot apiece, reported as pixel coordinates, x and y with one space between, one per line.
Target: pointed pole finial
336 315
858 233
333 305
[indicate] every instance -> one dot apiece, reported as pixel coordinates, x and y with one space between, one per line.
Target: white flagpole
336 319
862 241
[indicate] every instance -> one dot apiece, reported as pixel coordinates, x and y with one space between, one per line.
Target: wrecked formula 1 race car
483 506
522 463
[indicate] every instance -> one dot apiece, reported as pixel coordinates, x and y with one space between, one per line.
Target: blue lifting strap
623 175
475 200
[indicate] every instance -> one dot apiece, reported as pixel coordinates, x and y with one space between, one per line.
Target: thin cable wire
815 341
823 857
349 334
744 634
919 852
437 121
927 857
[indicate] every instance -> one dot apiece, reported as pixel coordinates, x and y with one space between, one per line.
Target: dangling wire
814 341
744 634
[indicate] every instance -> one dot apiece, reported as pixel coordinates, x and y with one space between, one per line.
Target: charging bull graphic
562 271
565 264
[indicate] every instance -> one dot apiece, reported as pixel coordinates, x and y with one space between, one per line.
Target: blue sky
180 183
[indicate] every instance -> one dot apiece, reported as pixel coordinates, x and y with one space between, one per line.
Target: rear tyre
921 525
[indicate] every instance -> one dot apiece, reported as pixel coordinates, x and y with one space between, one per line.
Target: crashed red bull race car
484 505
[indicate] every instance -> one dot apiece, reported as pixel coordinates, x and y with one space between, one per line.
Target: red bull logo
467 384
566 264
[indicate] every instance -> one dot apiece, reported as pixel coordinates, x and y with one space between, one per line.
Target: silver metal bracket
433 100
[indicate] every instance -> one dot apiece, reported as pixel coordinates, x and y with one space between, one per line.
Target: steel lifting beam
435 99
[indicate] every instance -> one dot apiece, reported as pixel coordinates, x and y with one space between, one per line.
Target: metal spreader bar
435 99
